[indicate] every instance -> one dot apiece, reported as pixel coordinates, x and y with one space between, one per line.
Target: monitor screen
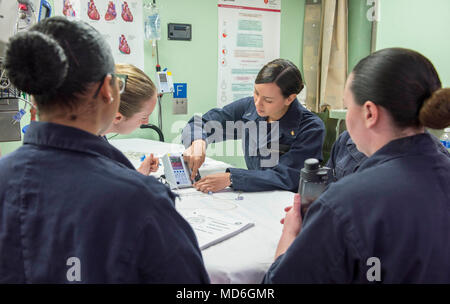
176 163
162 77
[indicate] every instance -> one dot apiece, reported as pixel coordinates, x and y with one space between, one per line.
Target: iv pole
158 69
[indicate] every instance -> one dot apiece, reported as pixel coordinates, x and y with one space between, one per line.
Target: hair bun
435 112
35 62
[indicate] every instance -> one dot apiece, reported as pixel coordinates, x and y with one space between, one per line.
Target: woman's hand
213 182
292 226
150 164
194 156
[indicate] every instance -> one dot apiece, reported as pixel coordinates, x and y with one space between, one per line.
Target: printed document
212 227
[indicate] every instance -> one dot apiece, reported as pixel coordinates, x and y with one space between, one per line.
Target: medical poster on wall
249 37
119 21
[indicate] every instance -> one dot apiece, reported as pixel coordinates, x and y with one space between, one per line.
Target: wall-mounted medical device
30 12
178 31
15 16
164 82
9 113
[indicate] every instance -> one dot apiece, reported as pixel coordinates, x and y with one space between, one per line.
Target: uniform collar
73 139
354 152
411 145
291 119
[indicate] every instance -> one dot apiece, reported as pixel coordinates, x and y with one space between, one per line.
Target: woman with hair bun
278 134
73 209
389 221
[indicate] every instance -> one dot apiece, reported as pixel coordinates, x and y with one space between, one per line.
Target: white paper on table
211 227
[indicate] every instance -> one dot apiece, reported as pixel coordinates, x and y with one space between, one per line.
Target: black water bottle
313 181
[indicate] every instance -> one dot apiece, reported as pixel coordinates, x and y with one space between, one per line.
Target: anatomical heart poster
119 21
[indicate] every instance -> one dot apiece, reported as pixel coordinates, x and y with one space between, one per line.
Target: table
245 257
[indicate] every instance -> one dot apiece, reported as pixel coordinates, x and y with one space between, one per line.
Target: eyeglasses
122 83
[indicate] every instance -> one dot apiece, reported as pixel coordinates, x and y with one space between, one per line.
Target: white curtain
325 53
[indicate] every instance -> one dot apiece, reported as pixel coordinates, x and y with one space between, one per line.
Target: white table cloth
244 258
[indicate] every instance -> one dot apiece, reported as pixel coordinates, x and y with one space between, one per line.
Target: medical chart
249 37
119 21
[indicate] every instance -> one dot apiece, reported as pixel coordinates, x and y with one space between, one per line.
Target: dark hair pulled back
284 74
56 60
405 83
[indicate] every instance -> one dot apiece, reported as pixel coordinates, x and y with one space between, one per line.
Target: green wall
195 62
420 25
359 32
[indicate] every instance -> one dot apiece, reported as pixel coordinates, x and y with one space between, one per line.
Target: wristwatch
231 177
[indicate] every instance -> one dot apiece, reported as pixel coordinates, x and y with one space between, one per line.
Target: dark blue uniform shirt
395 207
345 158
67 195
300 136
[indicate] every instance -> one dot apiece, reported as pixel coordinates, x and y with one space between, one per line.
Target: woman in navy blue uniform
389 221
345 157
278 134
72 208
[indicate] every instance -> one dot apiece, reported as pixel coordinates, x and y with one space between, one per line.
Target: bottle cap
312 172
311 164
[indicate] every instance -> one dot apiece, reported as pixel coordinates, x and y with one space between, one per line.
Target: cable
158 68
153 127
159 113
113 136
